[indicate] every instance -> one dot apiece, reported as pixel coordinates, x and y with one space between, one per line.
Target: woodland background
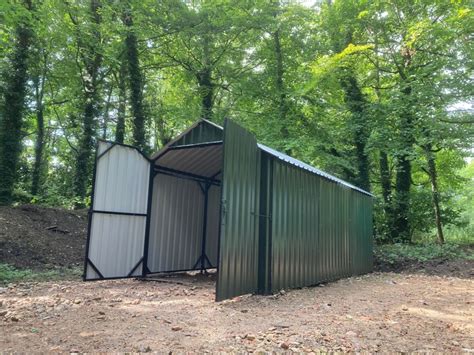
379 93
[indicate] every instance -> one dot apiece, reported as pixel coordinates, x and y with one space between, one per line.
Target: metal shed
215 198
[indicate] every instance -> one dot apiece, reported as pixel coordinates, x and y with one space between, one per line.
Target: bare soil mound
41 238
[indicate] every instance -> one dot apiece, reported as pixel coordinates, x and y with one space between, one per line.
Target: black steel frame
265 225
201 261
194 145
179 173
222 209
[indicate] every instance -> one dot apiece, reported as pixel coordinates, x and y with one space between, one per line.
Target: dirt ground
376 312
41 238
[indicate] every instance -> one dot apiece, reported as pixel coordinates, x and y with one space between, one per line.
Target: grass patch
10 274
397 253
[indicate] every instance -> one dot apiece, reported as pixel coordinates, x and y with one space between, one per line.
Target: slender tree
92 60
433 175
13 105
122 104
135 82
356 104
204 78
401 209
39 86
279 85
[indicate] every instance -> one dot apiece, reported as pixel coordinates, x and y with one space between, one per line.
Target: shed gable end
203 132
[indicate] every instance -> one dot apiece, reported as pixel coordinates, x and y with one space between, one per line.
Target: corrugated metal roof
300 164
285 158
204 161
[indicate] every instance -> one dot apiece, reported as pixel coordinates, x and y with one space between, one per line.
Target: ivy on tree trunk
11 112
92 62
401 208
433 175
356 104
39 141
135 81
204 78
122 97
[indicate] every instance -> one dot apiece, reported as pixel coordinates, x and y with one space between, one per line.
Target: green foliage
339 86
398 253
10 274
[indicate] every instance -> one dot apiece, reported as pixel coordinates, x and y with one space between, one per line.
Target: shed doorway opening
184 218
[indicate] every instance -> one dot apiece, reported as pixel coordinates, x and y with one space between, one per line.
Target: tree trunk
206 86
92 60
39 142
11 113
434 192
356 103
386 185
121 111
105 123
401 210
346 173
280 88
206 89
385 178
135 81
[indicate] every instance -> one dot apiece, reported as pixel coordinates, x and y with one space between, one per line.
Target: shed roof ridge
299 163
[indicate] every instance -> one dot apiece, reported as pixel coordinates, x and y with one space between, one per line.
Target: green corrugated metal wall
321 231
238 249
202 133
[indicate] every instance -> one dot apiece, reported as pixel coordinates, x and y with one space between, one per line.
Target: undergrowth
10 274
396 253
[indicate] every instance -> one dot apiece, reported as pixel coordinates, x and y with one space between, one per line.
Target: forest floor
376 312
424 306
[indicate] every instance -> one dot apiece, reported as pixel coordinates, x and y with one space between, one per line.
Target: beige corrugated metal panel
103 146
203 161
121 183
116 245
116 241
213 219
176 224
